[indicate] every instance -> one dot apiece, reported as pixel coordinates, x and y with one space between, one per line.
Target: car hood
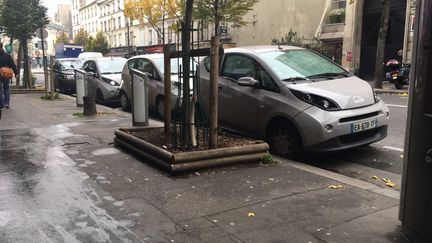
115 77
348 93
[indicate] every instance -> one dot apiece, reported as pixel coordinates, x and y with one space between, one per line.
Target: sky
52 5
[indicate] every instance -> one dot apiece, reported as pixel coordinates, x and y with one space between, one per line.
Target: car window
299 63
266 81
86 67
111 66
238 66
69 64
132 63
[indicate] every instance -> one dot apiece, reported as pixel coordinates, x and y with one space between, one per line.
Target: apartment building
64 17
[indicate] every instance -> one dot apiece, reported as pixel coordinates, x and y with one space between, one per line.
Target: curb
27 91
390 91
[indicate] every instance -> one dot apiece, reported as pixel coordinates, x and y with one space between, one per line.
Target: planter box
186 161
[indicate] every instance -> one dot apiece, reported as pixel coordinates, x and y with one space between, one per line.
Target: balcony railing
336 12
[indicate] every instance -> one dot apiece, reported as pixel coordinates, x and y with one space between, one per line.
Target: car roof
149 56
261 49
68 59
106 58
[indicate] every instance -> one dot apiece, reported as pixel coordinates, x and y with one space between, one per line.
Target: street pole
128 36
44 65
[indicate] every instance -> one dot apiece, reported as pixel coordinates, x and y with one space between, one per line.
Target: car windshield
174 65
297 65
111 66
70 64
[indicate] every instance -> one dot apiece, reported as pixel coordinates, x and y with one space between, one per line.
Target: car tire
99 97
398 84
125 102
160 107
284 140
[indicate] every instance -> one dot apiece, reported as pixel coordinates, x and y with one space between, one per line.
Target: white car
295 99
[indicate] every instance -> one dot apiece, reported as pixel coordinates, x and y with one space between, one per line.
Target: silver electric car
295 99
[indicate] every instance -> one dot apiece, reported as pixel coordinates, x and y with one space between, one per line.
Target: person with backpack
7 70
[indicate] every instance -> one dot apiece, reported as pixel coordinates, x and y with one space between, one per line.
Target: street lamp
127 25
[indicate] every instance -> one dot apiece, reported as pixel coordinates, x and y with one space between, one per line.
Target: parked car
153 66
64 74
104 77
295 99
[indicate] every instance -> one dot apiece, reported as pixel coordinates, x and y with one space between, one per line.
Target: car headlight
376 97
316 100
113 83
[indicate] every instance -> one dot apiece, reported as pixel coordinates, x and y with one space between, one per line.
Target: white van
89 55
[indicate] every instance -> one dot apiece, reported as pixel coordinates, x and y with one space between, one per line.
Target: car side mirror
248 82
149 75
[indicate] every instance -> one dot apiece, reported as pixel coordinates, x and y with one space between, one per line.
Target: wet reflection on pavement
45 197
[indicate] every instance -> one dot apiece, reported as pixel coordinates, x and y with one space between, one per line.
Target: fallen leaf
251 214
390 184
401 156
375 177
386 180
335 186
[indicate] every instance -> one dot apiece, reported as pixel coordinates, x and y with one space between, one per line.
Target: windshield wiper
292 79
328 75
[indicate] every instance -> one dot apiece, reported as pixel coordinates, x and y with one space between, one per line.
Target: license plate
362 126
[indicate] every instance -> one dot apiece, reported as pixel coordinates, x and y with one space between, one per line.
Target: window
119 22
238 66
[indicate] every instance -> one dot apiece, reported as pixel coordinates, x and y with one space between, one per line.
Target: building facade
64 16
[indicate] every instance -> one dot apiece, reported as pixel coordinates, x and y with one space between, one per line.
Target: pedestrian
6 61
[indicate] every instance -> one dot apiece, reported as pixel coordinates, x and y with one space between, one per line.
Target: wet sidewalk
61 180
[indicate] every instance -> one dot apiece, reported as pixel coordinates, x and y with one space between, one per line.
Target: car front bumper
324 131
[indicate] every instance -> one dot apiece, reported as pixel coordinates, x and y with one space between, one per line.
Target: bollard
139 98
89 106
81 89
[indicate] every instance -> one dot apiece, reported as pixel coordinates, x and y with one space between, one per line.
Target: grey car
153 66
104 78
64 74
295 99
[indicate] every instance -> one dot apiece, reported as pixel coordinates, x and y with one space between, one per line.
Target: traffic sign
39 45
8 48
44 33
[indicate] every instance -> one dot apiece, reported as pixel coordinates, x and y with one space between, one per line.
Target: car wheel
99 97
285 141
160 107
124 101
398 84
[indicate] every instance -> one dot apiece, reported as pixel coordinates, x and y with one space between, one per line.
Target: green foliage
81 37
21 18
99 44
78 114
217 11
290 39
62 38
268 159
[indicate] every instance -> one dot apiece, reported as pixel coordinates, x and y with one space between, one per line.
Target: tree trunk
382 36
167 89
213 97
27 71
20 50
186 28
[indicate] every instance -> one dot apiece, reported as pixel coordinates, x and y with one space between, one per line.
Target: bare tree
382 36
